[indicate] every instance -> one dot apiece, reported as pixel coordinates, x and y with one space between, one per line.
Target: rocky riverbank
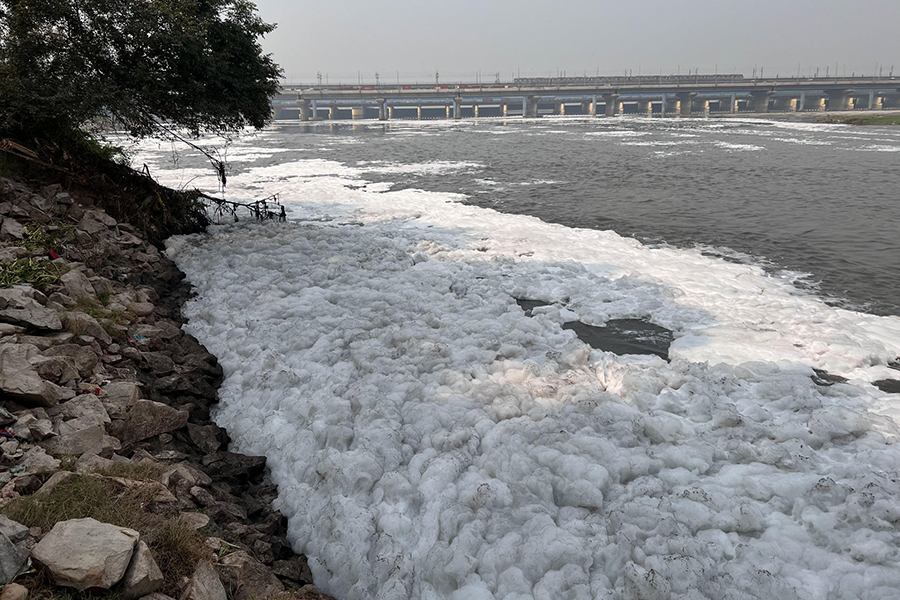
112 474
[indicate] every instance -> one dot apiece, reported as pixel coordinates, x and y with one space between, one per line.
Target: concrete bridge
682 97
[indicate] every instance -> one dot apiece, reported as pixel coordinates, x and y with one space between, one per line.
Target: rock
33 428
208 438
11 230
141 309
205 584
93 439
81 358
126 392
37 460
147 419
158 362
309 592
889 386
77 285
195 520
157 596
87 409
248 577
19 307
295 569
10 329
14 531
57 479
143 575
91 463
55 369
11 559
6 417
14 591
26 485
184 472
20 381
84 553
80 323
202 496
222 465
91 223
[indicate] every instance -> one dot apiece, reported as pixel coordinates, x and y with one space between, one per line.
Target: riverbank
106 422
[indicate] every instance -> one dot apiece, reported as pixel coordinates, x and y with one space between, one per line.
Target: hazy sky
459 38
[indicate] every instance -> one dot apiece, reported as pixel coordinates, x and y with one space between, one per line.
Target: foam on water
431 441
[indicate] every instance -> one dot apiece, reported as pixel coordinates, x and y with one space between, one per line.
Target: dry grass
176 547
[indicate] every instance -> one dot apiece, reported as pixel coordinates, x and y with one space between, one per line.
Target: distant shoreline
848 117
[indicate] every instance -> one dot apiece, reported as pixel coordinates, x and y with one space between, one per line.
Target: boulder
91 224
55 369
84 553
20 381
11 560
91 463
14 591
248 577
92 439
13 530
19 307
37 460
147 419
295 568
11 230
77 285
204 584
87 409
208 438
157 596
142 309
143 575
159 363
195 520
126 392
81 323
31 427
83 359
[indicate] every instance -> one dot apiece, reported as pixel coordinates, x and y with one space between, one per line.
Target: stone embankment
112 475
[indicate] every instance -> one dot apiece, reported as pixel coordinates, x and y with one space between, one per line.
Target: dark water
817 199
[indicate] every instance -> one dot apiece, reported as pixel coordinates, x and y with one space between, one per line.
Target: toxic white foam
431 441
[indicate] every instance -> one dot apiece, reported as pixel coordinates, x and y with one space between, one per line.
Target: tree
147 65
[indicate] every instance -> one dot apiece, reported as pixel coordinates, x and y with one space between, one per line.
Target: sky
351 40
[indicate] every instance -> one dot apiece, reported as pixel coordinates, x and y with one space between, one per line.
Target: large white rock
20 381
143 575
85 553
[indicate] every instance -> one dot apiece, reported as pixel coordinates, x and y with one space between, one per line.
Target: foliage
48 236
33 271
144 65
870 119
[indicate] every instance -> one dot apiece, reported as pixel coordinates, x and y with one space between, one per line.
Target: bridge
610 96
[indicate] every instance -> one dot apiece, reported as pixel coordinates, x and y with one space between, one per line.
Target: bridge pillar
448 110
662 110
585 108
315 110
878 103
475 110
419 112
838 99
304 109
382 113
457 108
332 112
612 104
645 107
594 106
358 112
531 106
559 108
759 101
685 100
390 112
801 103
504 108
733 106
